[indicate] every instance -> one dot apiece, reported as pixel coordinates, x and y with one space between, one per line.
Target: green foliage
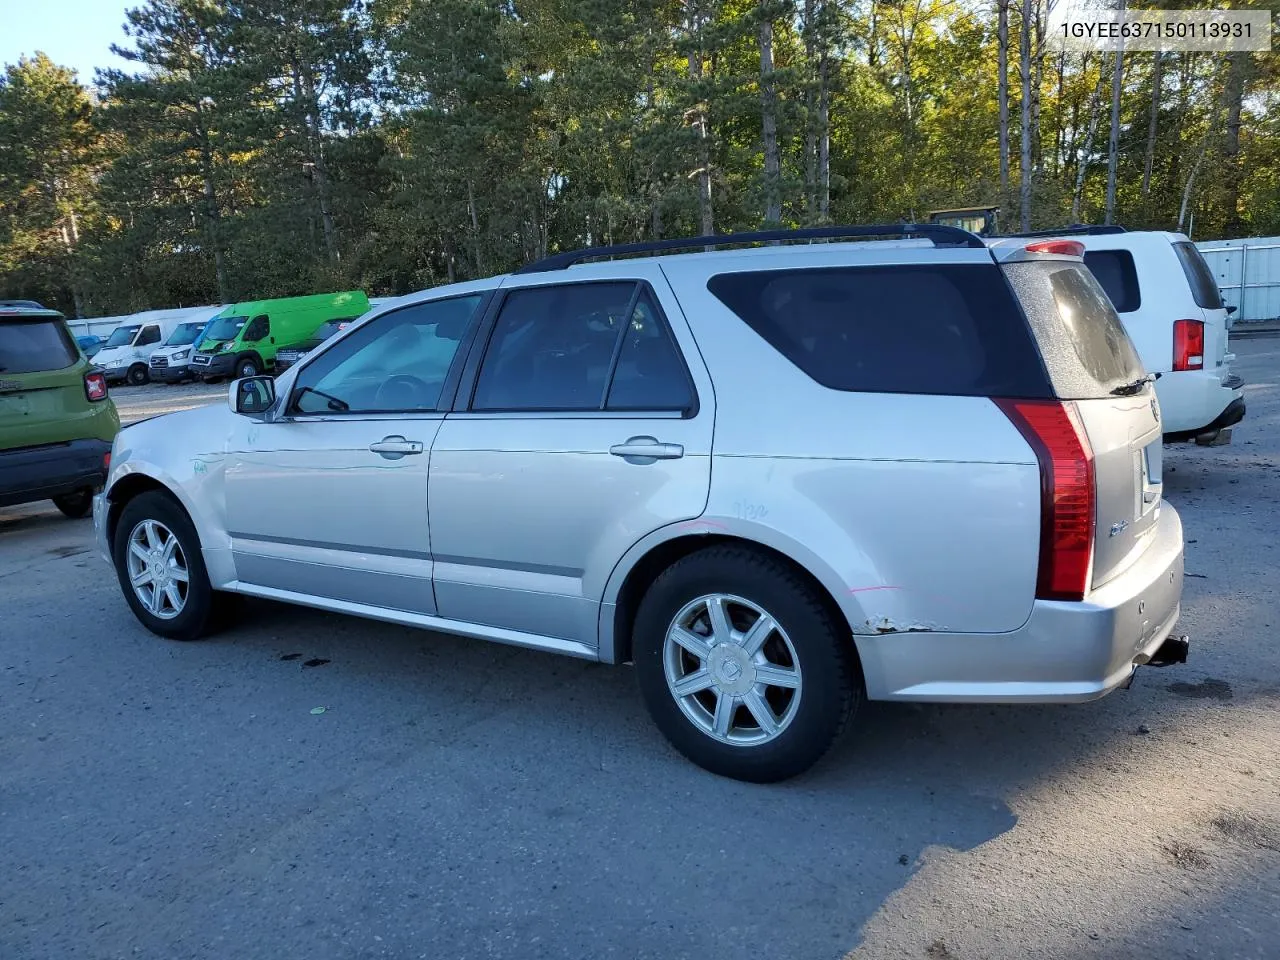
275 147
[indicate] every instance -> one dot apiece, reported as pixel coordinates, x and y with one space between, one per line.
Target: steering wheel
401 392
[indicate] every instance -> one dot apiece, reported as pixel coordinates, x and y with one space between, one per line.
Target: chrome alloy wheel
157 569
732 669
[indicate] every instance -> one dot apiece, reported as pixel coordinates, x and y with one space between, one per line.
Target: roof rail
940 234
1075 229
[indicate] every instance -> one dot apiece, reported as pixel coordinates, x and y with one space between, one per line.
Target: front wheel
75 505
742 665
139 375
247 367
160 568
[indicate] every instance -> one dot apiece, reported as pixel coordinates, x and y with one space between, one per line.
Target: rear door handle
646 450
394 447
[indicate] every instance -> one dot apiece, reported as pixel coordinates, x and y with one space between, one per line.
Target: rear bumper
1192 400
1065 652
38 473
1229 417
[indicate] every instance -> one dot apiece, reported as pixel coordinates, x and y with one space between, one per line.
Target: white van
127 353
171 362
1171 306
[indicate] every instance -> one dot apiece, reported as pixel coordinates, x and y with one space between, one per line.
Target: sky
74 33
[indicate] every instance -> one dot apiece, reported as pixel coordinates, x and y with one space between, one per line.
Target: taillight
106 461
1071 248
1067 507
95 386
1188 345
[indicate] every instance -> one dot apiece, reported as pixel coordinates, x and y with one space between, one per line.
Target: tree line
277 147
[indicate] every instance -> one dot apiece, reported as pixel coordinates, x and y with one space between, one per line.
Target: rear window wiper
334 404
1134 386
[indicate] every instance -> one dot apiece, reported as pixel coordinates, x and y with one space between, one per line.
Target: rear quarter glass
35 345
1204 288
1115 271
939 329
1085 347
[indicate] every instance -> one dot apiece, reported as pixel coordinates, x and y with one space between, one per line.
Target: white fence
1248 272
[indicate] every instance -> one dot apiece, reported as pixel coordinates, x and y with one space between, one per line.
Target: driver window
258 329
149 336
395 364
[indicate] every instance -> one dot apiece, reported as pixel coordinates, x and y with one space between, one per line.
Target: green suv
56 421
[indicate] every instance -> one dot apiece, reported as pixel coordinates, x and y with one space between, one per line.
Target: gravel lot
458 799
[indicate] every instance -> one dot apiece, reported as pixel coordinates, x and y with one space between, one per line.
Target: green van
242 339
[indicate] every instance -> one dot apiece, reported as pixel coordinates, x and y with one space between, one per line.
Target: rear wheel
742 666
139 375
75 505
160 568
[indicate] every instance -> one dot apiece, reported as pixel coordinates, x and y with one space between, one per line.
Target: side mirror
1231 308
252 396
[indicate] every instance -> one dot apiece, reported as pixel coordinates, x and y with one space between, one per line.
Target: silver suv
778 479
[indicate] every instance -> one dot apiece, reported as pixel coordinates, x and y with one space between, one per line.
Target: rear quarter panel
925 510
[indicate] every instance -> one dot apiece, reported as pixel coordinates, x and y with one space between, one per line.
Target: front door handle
395 446
646 450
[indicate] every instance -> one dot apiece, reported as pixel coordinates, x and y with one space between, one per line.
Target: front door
581 430
330 500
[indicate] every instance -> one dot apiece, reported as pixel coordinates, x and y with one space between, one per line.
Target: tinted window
1085 347
650 375
30 345
396 363
552 347
257 330
149 336
1114 269
1204 287
933 329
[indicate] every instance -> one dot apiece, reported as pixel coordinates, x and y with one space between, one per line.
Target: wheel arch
253 355
648 558
129 487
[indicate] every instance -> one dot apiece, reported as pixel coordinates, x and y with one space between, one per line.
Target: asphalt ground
461 799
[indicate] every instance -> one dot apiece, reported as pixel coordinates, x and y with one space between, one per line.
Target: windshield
225 328
122 336
186 333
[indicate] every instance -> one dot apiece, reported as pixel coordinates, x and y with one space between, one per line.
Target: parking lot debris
316 711
290 656
315 662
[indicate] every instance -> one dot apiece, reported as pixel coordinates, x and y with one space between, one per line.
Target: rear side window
582 346
1204 287
1085 346
28 346
949 329
1114 269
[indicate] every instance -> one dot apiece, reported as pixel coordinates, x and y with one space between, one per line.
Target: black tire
75 505
197 617
832 685
247 367
139 375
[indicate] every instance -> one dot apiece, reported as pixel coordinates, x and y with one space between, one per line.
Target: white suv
778 480
1171 306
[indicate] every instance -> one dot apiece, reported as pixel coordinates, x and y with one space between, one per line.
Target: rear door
42 398
585 425
1093 363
